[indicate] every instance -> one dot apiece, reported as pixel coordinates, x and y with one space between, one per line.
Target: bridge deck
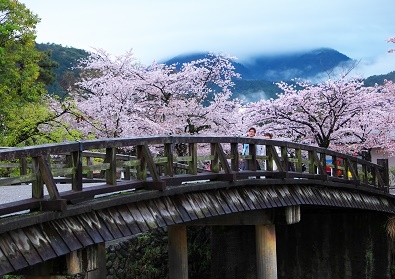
163 188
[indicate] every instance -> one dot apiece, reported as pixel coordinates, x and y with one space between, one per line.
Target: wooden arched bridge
125 186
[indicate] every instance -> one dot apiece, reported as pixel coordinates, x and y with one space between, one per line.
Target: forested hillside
379 79
67 58
258 75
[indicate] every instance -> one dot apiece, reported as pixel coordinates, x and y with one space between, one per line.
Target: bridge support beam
266 251
292 214
90 261
178 253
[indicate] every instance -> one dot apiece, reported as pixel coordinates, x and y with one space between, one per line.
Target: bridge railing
154 163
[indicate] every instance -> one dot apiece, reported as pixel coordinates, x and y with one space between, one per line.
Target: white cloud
157 29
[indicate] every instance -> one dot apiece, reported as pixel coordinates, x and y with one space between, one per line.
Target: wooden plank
323 196
326 197
286 195
96 229
178 216
192 151
66 234
119 221
129 220
21 205
214 203
25 246
17 180
222 158
184 207
204 199
169 170
302 194
159 211
147 215
222 202
353 200
317 197
78 230
5 266
345 201
46 174
258 195
358 199
14 255
295 195
150 205
310 194
134 211
109 222
336 199
385 205
248 194
111 172
368 202
247 205
53 205
54 239
150 163
276 197
164 212
200 209
232 201
374 203
263 195
40 241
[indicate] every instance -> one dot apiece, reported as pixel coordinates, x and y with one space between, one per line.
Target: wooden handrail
155 166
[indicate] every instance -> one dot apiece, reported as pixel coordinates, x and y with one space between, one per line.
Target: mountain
303 65
186 58
379 79
67 58
282 66
259 73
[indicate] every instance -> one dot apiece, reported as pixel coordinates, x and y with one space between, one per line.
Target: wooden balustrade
151 163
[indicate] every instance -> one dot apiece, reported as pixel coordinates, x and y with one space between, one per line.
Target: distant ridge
259 73
282 66
297 65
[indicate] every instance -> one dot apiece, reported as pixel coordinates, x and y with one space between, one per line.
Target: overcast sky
161 29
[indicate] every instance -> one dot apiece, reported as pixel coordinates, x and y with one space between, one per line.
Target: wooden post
192 165
90 261
178 253
169 171
111 174
38 183
76 163
89 162
266 251
385 173
292 214
235 164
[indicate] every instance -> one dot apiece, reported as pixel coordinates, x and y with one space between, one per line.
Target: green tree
19 69
24 72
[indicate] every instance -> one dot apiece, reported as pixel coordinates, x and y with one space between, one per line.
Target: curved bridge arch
64 222
124 215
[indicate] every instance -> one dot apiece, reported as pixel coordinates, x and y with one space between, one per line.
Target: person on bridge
246 150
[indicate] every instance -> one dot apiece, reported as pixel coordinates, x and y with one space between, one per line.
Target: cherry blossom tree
119 97
391 40
339 114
